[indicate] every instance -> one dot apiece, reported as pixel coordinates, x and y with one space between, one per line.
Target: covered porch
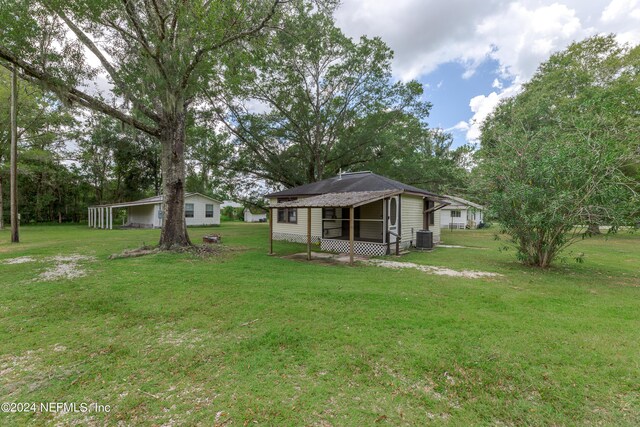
145 213
362 222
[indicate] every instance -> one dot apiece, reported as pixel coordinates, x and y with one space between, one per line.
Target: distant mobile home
255 215
461 213
386 213
147 213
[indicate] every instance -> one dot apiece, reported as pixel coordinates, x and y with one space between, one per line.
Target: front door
393 218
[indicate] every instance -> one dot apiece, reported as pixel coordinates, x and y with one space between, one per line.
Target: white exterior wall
447 219
251 217
466 216
474 216
199 211
141 215
297 232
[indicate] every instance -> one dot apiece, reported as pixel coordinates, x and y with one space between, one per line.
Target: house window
208 211
188 210
455 214
287 215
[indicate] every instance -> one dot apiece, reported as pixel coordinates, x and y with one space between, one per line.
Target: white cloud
618 9
519 35
483 105
460 126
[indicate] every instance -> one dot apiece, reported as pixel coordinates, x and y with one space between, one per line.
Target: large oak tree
157 56
315 101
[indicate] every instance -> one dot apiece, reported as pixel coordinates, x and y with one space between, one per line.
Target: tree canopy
560 155
315 101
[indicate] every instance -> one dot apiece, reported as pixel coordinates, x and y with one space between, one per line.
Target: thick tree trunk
172 138
13 184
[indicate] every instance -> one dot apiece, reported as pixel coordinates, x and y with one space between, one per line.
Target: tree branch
38 76
85 40
200 53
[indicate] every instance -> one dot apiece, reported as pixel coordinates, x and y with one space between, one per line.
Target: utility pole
15 238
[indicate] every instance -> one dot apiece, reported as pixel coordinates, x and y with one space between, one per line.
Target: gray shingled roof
350 182
459 201
148 201
337 200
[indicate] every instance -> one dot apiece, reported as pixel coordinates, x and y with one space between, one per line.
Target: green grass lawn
246 338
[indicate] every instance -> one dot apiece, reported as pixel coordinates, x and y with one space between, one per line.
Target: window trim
457 212
286 212
192 211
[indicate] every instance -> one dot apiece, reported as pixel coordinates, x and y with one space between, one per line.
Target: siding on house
297 232
199 211
413 220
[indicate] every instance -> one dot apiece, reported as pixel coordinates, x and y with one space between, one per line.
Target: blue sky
450 92
458 48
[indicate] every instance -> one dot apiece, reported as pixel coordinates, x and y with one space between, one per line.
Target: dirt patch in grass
338 259
324 258
65 267
200 251
459 247
19 260
440 271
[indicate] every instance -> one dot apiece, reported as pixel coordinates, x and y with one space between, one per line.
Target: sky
470 54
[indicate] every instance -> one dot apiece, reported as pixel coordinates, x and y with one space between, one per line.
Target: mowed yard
244 338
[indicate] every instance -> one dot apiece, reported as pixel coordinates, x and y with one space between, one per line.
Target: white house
255 215
358 212
461 213
147 213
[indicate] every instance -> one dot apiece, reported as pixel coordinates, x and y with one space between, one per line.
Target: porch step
403 252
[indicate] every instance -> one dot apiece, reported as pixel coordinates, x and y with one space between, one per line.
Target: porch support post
89 217
351 233
270 231
110 218
308 234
